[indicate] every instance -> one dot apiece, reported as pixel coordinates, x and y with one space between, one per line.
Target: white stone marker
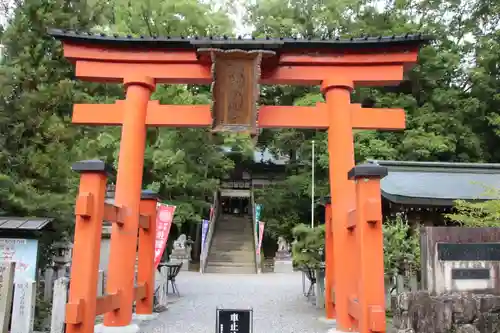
100 283
59 305
23 309
7 270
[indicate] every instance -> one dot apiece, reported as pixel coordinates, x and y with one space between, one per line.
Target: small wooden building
425 191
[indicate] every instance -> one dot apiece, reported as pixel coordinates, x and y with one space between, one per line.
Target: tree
484 213
37 145
450 97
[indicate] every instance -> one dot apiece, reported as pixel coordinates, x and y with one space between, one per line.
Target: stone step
238 230
235 252
231 250
242 241
231 270
230 260
232 264
234 243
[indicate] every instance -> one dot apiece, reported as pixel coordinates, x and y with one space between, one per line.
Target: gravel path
277 301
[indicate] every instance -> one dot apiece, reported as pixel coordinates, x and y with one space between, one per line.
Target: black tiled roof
438 183
239 42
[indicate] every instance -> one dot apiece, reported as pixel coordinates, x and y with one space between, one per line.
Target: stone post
59 305
7 270
23 308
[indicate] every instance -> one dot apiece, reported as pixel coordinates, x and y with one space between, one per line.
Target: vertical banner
164 218
261 234
258 210
204 231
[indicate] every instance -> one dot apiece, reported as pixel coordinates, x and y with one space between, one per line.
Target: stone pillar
7 270
23 308
59 305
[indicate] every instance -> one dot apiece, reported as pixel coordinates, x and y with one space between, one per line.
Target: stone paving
277 300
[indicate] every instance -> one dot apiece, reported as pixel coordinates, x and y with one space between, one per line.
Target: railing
208 240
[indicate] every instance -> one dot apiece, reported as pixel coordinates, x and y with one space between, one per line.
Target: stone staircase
232 249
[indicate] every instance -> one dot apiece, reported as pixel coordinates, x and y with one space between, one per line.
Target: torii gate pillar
337 93
123 246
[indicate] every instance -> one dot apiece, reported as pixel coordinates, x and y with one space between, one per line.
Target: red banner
164 217
261 235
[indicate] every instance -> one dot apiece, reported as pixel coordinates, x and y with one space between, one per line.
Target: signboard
24 253
470 274
468 251
234 321
204 231
164 218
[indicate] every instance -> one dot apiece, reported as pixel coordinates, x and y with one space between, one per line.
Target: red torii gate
235 68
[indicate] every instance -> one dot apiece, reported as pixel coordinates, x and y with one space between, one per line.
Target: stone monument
181 252
23 306
283 259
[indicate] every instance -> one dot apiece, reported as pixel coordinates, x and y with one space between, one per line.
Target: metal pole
312 188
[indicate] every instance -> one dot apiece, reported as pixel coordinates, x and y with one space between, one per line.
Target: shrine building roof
224 42
437 183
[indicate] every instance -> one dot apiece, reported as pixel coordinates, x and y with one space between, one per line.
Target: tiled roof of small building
225 42
436 183
23 223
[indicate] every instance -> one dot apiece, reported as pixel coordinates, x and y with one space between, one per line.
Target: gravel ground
277 300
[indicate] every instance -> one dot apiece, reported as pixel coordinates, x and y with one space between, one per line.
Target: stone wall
420 312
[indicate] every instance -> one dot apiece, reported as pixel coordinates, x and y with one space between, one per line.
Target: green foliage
37 92
451 97
309 246
478 213
401 247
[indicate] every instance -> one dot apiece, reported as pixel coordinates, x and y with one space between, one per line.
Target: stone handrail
211 228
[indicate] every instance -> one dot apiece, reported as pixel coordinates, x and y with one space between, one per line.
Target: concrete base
283 266
140 324
143 317
333 324
133 328
185 263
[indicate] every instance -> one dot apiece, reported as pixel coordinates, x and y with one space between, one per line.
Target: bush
309 246
478 213
401 247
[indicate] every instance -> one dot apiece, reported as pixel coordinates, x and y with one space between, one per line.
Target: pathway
277 299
